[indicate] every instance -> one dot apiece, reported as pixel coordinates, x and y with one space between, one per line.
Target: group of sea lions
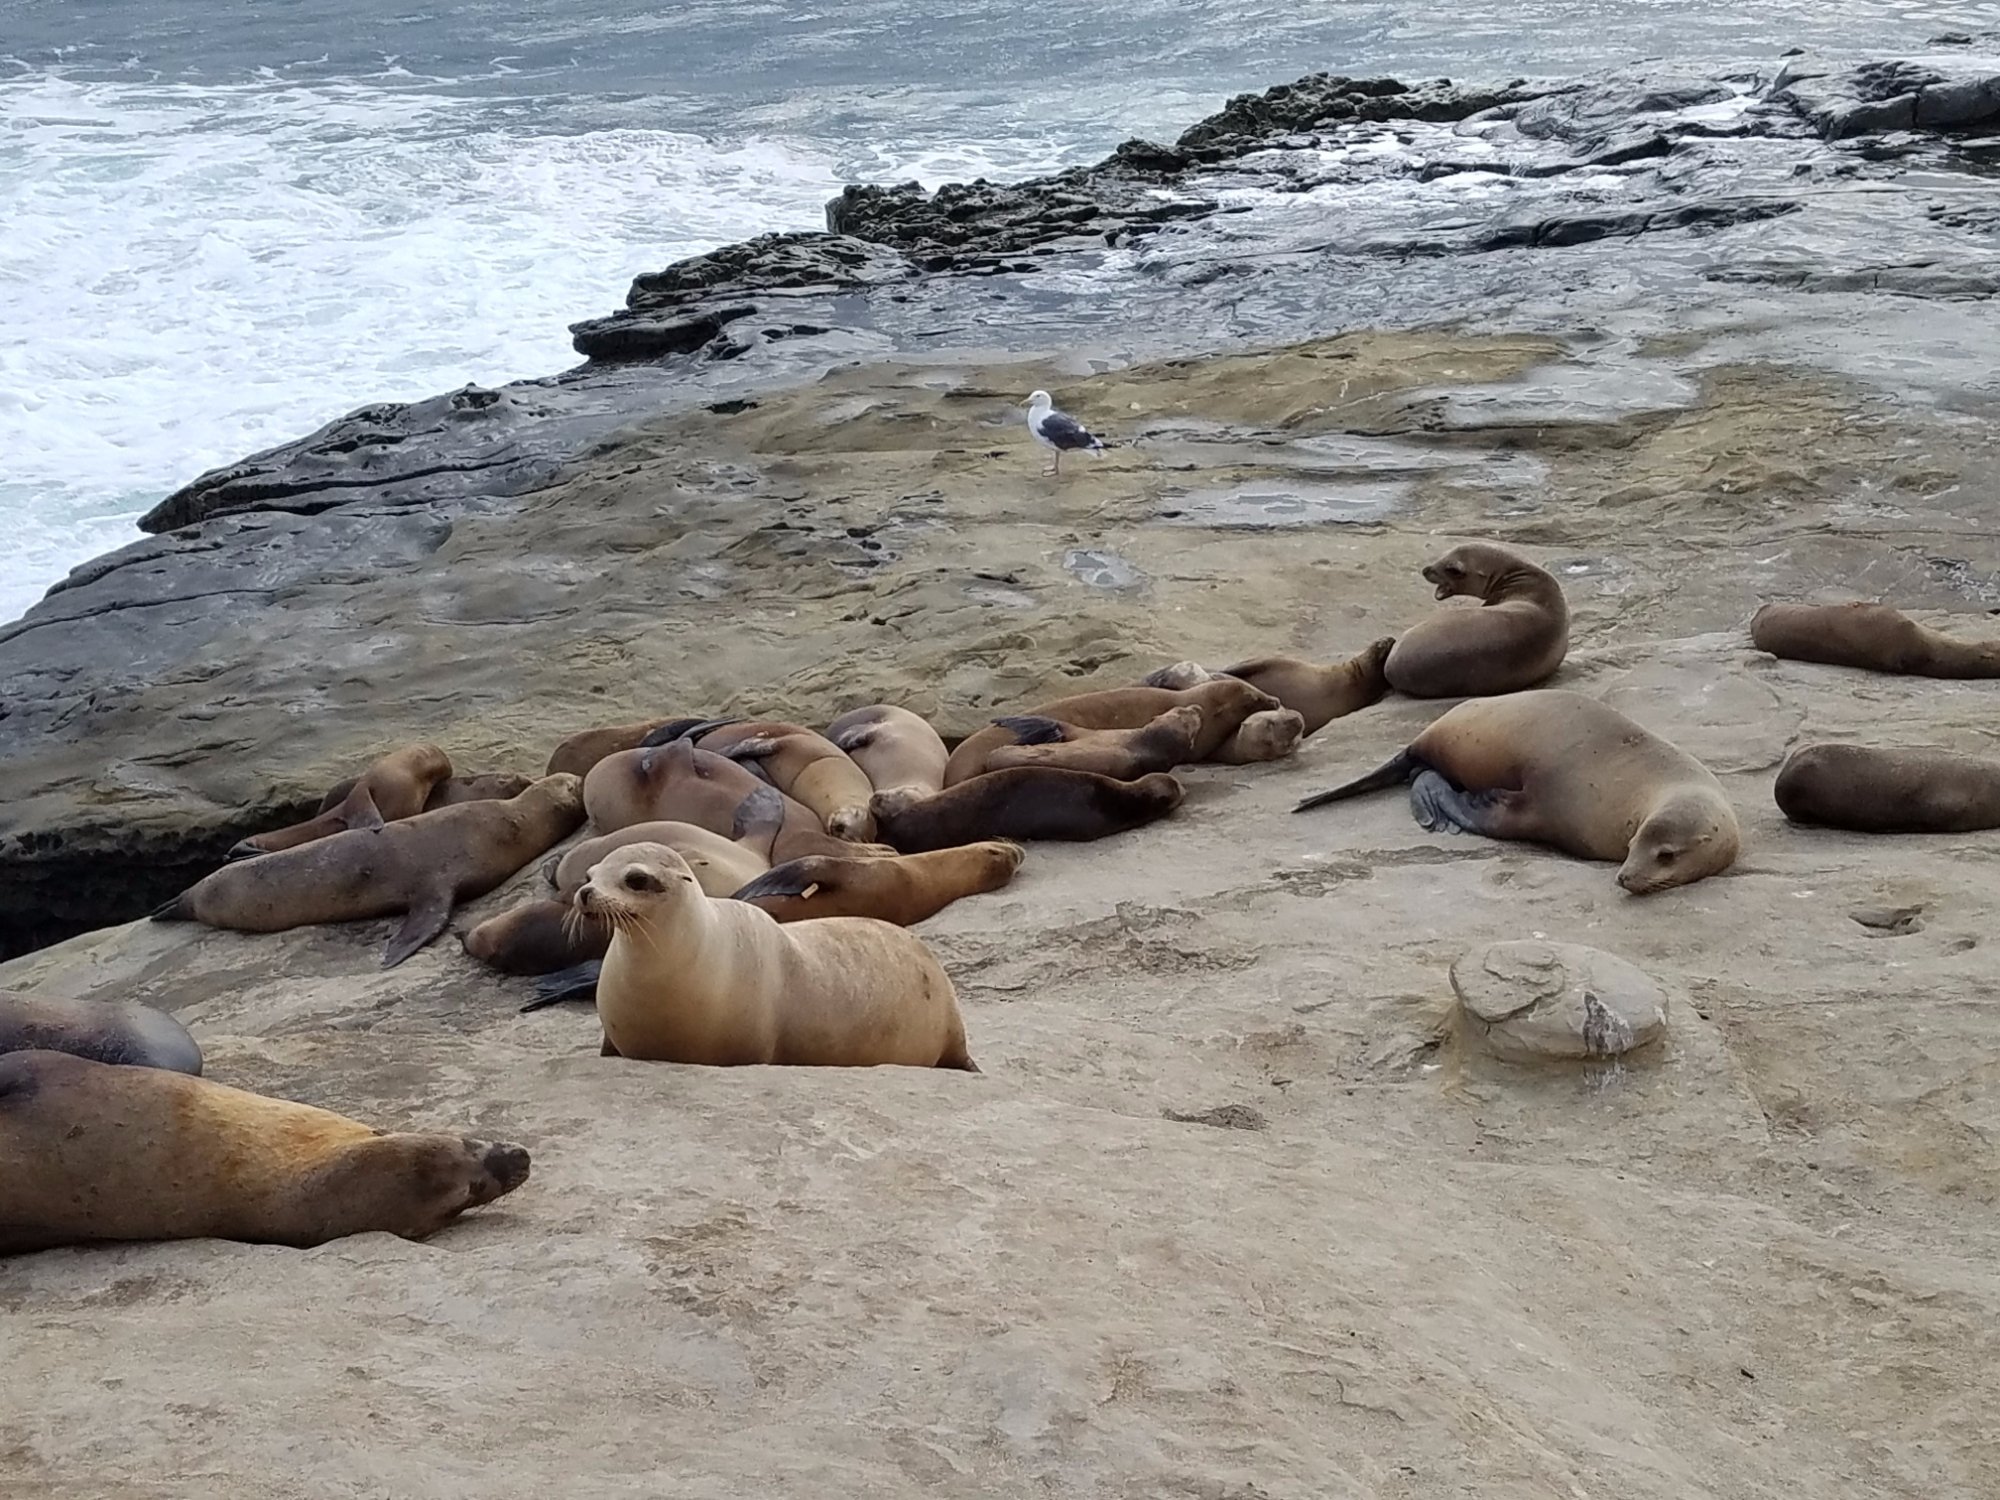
746 887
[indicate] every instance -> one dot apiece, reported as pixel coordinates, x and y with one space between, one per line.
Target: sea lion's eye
639 880
1665 855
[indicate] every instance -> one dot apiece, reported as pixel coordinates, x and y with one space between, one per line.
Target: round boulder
1532 999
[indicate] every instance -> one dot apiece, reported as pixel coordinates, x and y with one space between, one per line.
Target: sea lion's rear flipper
759 816
788 879
1441 807
757 747
858 736
423 921
605 1049
176 910
550 866
679 729
360 811
1397 768
578 982
1032 729
1178 677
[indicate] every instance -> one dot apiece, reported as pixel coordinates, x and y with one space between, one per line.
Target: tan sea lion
902 888
723 866
803 764
1317 694
1225 703
96 1152
1875 637
107 1031
454 789
538 937
1517 638
678 783
1555 767
1029 802
693 980
901 754
577 754
394 787
418 866
1889 791
1122 754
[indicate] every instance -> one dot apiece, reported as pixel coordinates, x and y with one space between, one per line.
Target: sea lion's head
854 824
634 883
1473 570
1270 735
1683 839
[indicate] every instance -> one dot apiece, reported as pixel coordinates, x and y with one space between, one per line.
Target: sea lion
584 749
394 787
723 866
902 888
1122 754
900 753
1889 791
1029 802
1555 767
538 937
1876 637
1225 703
1317 694
678 783
454 789
693 980
96 1152
107 1031
1517 638
801 763
418 866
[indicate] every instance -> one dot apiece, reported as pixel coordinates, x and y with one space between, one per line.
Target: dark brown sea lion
1516 639
106 1031
394 787
901 888
1871 636
1122 754
96 1152
1226 703
1317 694
1557 768
538 937
418 866
902 756
1029 802
1889 791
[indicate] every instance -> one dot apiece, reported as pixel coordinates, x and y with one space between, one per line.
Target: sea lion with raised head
1889 791
107 1031
1515 639
803 764
538 937
394 787
1029 802
584 749
1874 637
722 865
901 888
1554 767
902 756
96 1152
1226 704
1317 694
1122 754
418 866
690 979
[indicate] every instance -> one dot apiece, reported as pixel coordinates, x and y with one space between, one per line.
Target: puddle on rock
1276 503
1103 570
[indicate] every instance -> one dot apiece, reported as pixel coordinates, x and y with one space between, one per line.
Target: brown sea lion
1555 767
1317 694
1889 791
1517 638
394 787
106 1031
577 754
804 765
538 937
418 866
454 789
722 865
1122 754
1225 703
1029 802
1872 636
902 888
678 783
96 1152
901 754
693 980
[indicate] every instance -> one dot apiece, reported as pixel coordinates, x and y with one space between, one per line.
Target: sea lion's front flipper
759 817
788 879
679 729
578 982
1443 808
423 921
360 811
1032 729
757 747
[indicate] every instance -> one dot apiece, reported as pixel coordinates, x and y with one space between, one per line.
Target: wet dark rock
1250 121
1842 102
1580 229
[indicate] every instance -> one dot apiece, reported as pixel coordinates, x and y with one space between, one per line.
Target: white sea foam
191 274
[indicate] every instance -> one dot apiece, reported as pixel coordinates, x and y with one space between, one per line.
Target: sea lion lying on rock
1317 694
1889 791
1871 636
107 1031
1517 638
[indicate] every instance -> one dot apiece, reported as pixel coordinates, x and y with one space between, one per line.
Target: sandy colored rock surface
1762 1261
1527 1000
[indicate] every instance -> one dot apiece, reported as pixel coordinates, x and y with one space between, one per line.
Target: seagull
1058 430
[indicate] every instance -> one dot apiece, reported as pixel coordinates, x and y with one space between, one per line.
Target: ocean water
223 223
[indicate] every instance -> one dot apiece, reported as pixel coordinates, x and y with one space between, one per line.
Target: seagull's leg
1057 470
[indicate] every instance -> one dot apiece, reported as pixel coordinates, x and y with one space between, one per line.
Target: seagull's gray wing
1065 432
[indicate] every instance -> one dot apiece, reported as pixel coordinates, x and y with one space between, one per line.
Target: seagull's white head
1039 398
